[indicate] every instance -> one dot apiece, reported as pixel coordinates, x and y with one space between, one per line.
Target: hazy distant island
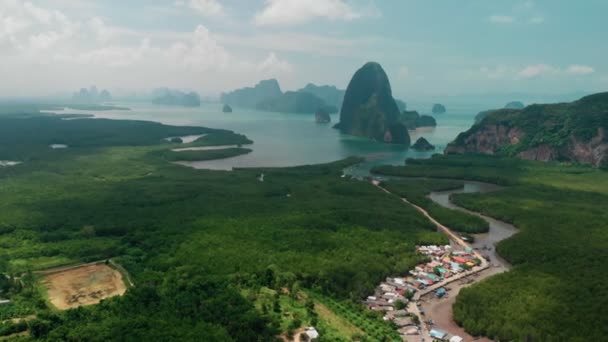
172 97
369 109
331 95
438 108
91 96
412 120
565 131
422 145
227 109
267 96
322 117
249 97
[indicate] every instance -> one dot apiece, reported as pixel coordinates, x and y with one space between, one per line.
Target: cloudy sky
428 47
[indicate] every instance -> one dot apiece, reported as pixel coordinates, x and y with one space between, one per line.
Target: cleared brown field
85 285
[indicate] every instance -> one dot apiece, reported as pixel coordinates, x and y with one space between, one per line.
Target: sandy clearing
84 285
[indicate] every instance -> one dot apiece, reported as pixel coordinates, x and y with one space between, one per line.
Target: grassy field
554 291
192 240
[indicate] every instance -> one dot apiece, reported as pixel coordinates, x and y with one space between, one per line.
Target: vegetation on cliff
565 131
369 109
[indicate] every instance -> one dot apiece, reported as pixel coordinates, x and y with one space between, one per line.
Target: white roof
312 333
456 339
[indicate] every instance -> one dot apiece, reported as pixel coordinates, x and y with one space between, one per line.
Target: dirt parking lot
84 285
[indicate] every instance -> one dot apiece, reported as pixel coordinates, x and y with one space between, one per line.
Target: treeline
417 191
182 305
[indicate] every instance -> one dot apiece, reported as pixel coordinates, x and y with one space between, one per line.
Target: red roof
460 260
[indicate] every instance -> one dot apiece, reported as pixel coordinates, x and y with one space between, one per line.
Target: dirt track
84 285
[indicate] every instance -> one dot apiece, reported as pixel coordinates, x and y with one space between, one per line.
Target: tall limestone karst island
574 132
369 109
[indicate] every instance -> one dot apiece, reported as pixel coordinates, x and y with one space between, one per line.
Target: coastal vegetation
559 256
174 230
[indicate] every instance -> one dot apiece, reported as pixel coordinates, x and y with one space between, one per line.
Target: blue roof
436 333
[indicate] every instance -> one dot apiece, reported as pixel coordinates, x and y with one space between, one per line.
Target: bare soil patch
86 285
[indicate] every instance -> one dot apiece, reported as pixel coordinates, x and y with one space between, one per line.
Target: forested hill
573 132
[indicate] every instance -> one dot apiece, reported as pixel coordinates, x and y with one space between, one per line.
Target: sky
427 47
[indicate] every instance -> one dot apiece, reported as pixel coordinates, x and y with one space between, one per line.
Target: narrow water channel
499 230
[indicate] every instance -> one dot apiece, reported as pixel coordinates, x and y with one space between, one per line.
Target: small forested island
422 145
171 97
573 132
227 109
369 109
322 116
412 120
515 105
438 108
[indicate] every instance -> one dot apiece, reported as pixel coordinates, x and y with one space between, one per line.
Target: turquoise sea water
282 139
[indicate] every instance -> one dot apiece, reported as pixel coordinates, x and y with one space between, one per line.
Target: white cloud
536 70
577 69
273 65
207 8
293 12
503 72
501 19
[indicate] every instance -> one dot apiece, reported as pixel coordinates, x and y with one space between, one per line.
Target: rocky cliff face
575 132
369 109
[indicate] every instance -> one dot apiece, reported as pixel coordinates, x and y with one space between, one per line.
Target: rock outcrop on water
227 109
249 97
295 102
438 108
575 132
423 145
322 116
369 109
515 105
412 120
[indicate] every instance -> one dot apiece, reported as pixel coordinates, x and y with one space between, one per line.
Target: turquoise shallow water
295 139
